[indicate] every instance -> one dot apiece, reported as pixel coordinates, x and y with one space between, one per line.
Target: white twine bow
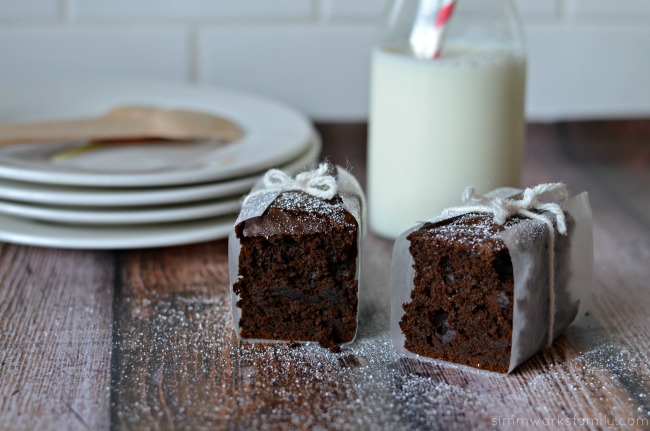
550 210
504 208
317 183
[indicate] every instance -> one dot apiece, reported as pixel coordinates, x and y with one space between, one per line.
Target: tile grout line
67 11
194 53
322 11
563 12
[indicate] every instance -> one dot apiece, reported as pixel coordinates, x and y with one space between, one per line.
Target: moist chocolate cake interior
297 271
462 304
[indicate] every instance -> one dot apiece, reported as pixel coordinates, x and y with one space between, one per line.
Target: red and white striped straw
429 28
444 14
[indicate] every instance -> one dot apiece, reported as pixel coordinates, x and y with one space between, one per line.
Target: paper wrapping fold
259 200
530 261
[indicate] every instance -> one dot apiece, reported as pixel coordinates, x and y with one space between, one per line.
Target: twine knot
547 199
317 183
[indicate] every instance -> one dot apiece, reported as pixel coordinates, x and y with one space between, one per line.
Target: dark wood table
142 339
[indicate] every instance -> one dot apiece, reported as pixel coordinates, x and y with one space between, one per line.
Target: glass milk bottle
444 120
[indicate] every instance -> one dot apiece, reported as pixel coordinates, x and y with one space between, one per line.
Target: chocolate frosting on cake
296 212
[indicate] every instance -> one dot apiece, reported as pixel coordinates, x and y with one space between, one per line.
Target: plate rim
140 197
15 230
124 216
148 179
201 230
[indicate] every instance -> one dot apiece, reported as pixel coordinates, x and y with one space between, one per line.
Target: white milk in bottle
437 126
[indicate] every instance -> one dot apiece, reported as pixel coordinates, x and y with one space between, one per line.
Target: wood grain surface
55 338
143 339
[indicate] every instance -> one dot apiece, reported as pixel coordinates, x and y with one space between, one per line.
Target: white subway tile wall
324 70
597 72
611 11
587 58
81 52
354 9
28 10
538 9
195 10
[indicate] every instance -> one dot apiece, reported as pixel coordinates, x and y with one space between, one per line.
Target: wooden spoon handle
55 131
124 124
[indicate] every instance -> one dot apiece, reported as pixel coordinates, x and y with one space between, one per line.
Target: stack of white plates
140 195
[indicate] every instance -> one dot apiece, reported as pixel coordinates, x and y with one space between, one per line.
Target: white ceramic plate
45 234
121 216
23 231
274 134
51 194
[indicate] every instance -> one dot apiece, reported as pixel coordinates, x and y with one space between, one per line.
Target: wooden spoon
126 123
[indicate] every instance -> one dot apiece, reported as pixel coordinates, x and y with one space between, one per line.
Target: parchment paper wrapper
530 261
354 202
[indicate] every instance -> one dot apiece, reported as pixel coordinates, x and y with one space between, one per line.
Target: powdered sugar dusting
299 202
202 377
479 231
471 230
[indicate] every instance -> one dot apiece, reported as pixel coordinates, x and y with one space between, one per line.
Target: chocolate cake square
297 271
461 307
494 281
